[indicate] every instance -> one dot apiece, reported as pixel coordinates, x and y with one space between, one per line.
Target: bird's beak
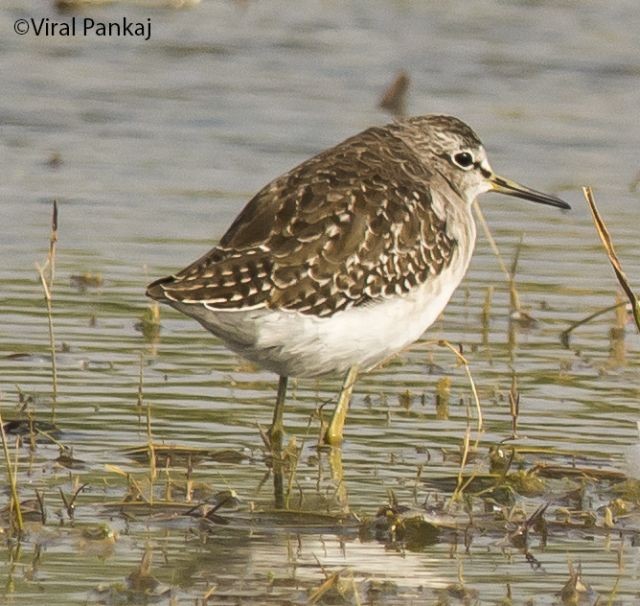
511 188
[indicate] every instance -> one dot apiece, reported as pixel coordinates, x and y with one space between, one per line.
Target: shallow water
161 143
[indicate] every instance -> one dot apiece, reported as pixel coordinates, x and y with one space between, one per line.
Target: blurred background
227 95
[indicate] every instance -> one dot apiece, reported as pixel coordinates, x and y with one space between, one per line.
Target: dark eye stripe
483 171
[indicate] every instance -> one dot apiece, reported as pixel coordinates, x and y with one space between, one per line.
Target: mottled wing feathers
346 227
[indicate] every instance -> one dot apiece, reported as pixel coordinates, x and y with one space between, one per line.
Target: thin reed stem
15 501
150 446
463 360
47 286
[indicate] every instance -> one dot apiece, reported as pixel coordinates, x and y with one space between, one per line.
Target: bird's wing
354 224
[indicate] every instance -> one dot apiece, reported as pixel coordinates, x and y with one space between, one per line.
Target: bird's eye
463 159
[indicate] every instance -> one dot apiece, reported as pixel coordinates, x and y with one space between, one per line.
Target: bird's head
450 147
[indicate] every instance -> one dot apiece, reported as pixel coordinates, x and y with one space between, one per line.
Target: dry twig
605 237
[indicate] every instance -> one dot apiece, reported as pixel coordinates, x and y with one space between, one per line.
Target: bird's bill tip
511 188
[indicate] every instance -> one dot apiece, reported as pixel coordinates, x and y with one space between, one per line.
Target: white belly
294 344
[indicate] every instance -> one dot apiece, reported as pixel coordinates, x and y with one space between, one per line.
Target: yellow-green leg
276 430
337 475
333 435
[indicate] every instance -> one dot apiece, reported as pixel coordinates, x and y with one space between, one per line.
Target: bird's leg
277 425
333 435
276 432
337 475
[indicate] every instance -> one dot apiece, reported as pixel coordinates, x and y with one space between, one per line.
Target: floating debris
98 533
458 591
395 523
335 589
140 587
86 280
67 460
98 540
523 319
169 455
41 430
227 499
576 591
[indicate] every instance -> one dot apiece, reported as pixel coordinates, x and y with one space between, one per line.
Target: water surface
151 148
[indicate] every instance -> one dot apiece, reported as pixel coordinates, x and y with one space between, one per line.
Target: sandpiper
349 257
